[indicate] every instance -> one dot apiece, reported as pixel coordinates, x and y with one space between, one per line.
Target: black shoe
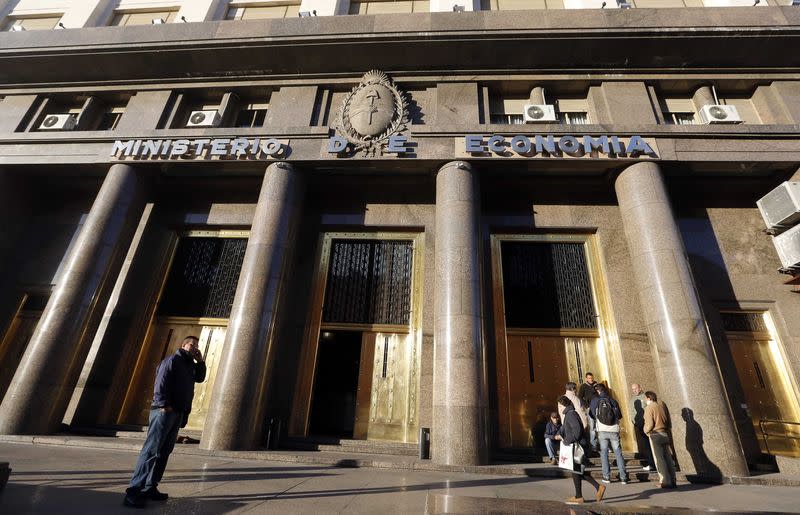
154 495
134 500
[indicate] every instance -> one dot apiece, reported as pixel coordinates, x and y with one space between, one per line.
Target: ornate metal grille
369 282
203 277
546 285
745 322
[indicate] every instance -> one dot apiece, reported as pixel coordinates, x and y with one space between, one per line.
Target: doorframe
146 329
606 333
300 418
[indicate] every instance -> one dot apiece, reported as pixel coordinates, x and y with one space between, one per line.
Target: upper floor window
280 10
81 113
389 6
46 22
251 115
507 110
142 17
573 111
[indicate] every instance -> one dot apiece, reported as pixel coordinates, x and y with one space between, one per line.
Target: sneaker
601 491
574 500
134 500
154 495
623 480
606 480
646 469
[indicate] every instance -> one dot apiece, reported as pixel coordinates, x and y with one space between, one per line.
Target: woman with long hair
573 432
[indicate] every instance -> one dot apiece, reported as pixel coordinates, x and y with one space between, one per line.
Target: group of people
591 422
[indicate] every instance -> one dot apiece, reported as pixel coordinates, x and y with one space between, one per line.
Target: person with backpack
606 413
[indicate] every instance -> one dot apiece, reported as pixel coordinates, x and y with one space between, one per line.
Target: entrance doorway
19 333
770 397
196 300
360 372
547 330
333 412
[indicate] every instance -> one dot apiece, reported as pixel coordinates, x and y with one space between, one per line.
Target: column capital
460 165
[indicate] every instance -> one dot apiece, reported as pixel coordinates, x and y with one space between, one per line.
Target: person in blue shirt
172 403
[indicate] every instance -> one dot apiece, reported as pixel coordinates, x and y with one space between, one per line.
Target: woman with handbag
574 443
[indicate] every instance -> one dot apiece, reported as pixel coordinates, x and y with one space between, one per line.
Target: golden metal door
537 372
769 398
165 337
391 368
16 338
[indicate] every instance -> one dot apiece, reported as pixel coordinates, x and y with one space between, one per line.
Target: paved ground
66 480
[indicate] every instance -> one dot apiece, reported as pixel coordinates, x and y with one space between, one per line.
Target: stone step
350 446
126 431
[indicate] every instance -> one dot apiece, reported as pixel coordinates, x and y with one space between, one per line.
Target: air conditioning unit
719 114
788 246
780 208
534 113
158 21
58 122
209 118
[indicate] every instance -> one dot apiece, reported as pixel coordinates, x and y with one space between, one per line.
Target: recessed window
573 117
507 111
263 12
48 22
390 6
142 17
685 118
572 111
251 115
110 118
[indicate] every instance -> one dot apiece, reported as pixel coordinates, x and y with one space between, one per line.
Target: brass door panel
164 338
537 370
768 399
364 393
392 382
14 344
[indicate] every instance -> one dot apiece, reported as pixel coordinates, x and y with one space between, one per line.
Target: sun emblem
372 112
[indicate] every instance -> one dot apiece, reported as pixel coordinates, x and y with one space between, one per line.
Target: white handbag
566 455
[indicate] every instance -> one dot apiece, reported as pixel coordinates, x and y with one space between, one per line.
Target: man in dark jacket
606 415
172 403
586 393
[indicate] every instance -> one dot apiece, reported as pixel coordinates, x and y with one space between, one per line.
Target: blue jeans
549 443
592 432
607 438
158 445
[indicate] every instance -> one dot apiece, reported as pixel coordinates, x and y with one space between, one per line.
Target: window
34 23
512 5
251 115
390 6
110 118
142 17
507 111
573 117
573 111
263 12
685 118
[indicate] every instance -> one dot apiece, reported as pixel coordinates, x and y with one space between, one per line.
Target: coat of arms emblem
371 113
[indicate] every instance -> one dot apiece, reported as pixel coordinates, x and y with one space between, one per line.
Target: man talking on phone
172 403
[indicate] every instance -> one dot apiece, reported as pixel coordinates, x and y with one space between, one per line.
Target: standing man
172 403
655 427
638 402
606 414
587 392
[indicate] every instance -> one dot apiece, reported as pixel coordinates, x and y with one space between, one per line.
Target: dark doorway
333 409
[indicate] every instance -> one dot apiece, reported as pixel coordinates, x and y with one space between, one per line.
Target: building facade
385 216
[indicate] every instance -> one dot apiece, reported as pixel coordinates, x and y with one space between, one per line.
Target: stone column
704 434
459 406
37 398
703 96
235 416
537 95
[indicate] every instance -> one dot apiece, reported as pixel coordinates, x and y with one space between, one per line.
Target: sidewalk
74 480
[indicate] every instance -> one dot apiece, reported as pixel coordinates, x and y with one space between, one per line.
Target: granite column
40 391
459 403
235 416
703 430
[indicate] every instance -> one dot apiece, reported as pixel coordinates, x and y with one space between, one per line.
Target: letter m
119 146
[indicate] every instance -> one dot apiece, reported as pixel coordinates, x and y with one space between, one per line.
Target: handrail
764 432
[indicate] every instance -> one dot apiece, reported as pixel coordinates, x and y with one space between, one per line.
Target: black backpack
605 411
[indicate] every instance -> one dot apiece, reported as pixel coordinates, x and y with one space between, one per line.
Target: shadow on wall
704 467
